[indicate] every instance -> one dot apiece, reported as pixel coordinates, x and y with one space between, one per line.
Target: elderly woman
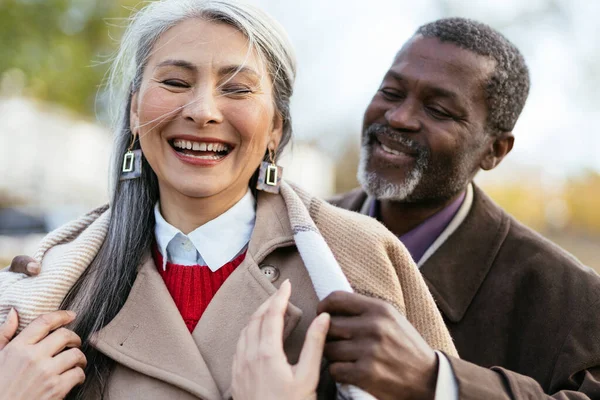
200 231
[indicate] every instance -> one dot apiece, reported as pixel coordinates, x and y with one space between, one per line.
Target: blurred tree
50 49
346 167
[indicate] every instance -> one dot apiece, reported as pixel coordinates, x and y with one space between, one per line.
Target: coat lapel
149 336
457 269
218 330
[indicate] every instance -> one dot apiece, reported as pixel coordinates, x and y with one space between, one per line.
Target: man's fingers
308 367
345 303
346 373
353 328
343 350
43 325
8 328
25 265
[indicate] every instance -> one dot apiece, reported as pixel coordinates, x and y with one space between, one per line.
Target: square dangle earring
132 163
269 175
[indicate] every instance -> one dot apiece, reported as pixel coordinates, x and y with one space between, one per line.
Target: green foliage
52 49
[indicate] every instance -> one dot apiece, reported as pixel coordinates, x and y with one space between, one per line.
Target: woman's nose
203 109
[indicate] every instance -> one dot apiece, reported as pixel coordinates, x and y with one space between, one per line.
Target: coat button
271 272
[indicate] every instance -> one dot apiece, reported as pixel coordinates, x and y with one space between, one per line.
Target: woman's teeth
200 146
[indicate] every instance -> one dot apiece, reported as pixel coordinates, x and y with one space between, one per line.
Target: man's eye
438 113
175 83
391 94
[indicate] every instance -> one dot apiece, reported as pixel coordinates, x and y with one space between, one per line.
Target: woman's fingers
8 328
308 367
68 380
59 340
67 360
271 333
25 265
254 328
265 321
43 325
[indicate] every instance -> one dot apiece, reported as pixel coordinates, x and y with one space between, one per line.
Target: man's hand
372 346
43 361
25 265
260 368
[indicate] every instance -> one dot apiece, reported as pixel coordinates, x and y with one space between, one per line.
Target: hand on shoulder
372 346
25 265
43 361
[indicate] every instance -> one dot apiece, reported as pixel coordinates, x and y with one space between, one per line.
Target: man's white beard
382 189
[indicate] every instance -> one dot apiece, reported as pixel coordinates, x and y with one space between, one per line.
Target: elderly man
523 312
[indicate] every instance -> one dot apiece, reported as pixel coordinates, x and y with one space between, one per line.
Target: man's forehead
442 62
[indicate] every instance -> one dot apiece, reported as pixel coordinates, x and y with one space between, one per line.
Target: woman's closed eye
237 90
175 83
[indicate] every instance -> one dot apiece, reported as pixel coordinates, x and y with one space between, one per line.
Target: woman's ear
276 132
134 119
497 150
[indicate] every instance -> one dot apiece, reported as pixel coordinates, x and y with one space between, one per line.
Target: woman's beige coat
157 358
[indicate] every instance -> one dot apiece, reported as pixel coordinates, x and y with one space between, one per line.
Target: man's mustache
383 130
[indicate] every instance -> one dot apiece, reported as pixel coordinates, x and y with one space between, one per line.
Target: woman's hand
260 367
26 265
33 364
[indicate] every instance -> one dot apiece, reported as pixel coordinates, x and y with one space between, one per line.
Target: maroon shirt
420 238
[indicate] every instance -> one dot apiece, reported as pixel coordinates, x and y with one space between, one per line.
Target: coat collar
148 334
457 269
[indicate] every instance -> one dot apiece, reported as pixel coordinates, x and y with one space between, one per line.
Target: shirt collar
218 241
421 239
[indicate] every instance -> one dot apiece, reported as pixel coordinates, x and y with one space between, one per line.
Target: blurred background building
54 154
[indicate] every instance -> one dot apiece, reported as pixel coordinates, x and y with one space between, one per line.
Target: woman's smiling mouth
201 151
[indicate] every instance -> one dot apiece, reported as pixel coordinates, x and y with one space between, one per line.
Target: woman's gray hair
265 35
104 287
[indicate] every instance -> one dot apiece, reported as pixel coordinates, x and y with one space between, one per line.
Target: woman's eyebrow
178 63
238 69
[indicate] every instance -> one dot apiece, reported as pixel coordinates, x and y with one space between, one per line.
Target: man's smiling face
424 132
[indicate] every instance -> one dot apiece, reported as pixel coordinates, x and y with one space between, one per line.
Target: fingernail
33 267
11 314
72 314
324 321
283 285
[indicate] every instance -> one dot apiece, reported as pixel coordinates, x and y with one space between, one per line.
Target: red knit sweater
193 286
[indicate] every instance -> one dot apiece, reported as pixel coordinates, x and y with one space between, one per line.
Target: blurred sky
344 48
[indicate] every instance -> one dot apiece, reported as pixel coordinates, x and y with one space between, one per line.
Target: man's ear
499 147
134 119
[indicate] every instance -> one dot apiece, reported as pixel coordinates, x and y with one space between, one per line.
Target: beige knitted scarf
372 261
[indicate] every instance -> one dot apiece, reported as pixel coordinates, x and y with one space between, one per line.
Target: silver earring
132 163
269 175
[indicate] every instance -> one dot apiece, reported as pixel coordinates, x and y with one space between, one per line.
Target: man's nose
404 116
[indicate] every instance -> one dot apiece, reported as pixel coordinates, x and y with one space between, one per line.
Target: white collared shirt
213 244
